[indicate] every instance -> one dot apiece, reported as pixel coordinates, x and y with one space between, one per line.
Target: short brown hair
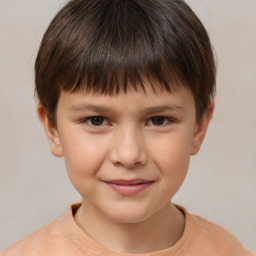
111 46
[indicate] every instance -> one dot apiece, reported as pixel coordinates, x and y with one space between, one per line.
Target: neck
158 232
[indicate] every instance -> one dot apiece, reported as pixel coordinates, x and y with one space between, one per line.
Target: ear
50 132
201 129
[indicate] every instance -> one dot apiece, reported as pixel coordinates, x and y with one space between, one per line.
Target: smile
128 187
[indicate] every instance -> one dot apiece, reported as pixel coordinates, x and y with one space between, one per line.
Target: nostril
129 159
128 165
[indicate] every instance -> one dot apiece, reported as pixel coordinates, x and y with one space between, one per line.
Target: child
125 91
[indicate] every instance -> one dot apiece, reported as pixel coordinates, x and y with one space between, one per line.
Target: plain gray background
221 185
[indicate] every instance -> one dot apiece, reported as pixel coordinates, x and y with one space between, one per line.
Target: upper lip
128 182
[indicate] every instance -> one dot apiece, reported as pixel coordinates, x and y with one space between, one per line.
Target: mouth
129 187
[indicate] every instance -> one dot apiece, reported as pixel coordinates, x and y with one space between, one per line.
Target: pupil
158 120
97 121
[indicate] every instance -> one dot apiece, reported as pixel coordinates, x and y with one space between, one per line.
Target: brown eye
96 120
158 120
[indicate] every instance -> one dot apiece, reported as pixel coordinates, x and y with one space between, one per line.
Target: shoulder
210 237
50 240
38 243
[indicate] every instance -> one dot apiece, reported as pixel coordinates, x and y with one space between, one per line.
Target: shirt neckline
76 236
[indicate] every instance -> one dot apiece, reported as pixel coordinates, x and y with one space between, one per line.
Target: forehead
180 97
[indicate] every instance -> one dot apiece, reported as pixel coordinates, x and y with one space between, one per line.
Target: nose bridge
129 149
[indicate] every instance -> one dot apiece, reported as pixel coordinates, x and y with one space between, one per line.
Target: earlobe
50 132
201 129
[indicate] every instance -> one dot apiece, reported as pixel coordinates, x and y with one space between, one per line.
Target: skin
128 143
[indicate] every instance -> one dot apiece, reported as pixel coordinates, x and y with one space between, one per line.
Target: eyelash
88 120
166 121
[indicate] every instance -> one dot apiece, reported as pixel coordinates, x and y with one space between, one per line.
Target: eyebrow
160 109
93 108
108 109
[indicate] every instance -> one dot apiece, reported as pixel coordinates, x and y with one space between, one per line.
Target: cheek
172 154
173 167
83 157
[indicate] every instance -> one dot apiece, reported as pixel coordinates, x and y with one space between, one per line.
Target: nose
128 149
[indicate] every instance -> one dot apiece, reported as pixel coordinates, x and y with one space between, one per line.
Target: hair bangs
116 77
116 55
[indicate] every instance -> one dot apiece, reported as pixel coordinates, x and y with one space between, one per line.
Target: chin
128 215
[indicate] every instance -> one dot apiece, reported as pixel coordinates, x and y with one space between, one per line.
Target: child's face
127 155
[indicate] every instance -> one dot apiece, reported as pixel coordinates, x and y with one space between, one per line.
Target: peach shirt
64 238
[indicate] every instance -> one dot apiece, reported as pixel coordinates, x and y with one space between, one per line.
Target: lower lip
129 190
